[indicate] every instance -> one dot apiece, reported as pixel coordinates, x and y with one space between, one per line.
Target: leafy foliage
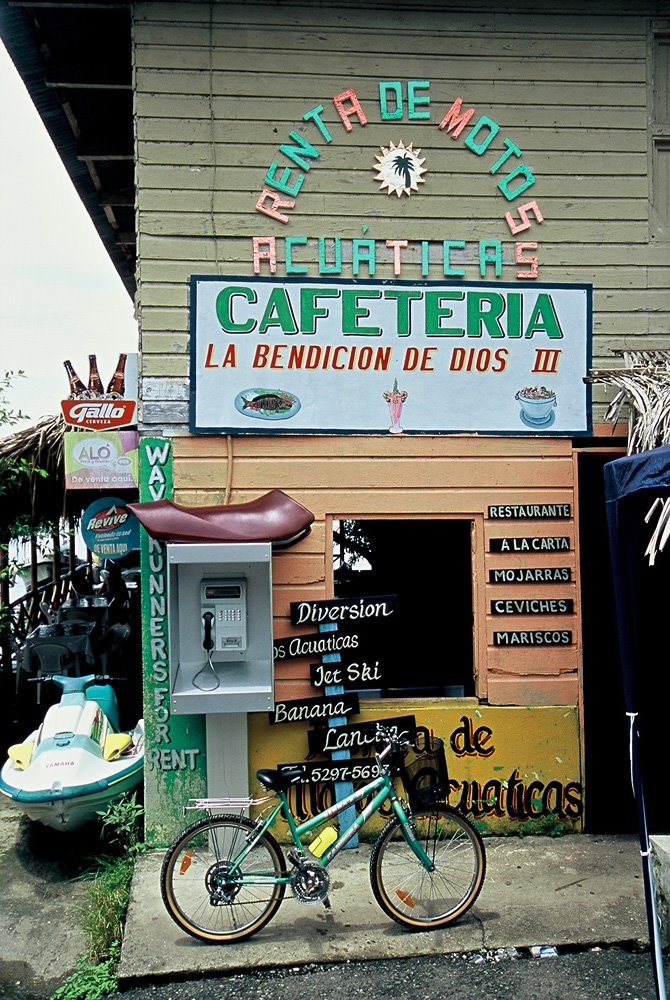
109 894
9 417
351 544
90 982
122 822
13 469
16 470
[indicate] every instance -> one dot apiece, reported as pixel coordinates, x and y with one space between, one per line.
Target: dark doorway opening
610 807
608 796
428 565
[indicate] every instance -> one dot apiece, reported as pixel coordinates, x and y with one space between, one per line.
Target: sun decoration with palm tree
399 168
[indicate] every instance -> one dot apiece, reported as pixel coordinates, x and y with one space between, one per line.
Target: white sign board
315 356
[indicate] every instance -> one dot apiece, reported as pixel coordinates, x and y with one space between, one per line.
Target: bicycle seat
279 781
274 517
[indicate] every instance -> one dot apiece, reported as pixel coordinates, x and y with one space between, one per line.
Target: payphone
220 627
223 603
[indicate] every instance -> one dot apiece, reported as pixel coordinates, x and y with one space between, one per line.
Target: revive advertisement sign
109 529
300 356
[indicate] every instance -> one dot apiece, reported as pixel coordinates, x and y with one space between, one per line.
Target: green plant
122 822
7 415
13 469
90 982
14 472
544 826
108 896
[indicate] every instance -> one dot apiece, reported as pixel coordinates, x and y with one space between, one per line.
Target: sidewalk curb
660 853
577 890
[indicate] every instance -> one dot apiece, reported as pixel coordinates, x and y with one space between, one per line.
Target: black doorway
428 565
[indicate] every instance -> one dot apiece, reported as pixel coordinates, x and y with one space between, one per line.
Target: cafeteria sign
300 356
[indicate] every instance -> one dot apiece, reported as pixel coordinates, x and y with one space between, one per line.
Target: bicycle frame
226 875
382 789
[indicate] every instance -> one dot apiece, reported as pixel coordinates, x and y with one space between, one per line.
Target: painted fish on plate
267 404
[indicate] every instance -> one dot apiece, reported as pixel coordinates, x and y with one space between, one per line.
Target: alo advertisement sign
98 461
109 529
296 356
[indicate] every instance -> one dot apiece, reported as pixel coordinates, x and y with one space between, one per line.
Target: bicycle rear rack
225 802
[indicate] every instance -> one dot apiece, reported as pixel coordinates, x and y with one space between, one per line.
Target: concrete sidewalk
577 890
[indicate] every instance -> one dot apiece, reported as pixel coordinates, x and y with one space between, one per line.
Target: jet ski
76 762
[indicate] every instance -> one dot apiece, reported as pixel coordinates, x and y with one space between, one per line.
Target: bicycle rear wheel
199 891
414 897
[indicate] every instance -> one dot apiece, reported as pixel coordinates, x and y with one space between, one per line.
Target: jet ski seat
274 517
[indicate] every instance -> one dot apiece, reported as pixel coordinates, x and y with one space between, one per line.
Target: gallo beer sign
96 405
98 414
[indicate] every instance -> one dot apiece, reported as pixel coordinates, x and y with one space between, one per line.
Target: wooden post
5 645
55 542
72 555
342 788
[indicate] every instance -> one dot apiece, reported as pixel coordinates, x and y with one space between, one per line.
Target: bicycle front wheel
425 900
205 896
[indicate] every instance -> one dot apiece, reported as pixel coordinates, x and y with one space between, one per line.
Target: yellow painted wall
525 776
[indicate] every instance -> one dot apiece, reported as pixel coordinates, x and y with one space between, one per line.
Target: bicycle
225 876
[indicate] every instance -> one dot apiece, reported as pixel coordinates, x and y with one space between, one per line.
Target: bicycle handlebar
395 741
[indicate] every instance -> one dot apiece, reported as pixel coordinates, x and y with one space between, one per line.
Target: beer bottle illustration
117 384
77 387
95 386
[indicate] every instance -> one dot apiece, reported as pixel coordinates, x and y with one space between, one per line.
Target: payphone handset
223 610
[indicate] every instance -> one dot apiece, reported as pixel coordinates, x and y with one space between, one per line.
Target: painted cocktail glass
395 399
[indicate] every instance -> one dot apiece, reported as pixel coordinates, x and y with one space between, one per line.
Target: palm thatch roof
39 496
643 384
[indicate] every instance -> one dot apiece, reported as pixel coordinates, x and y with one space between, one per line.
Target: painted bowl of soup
537 403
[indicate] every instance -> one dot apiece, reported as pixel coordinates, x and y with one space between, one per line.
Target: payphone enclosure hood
274 517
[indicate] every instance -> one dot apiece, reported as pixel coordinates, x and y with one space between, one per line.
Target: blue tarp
631 486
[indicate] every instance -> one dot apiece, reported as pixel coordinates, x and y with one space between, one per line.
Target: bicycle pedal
326 903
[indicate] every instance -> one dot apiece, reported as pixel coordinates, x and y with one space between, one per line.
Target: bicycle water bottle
326 839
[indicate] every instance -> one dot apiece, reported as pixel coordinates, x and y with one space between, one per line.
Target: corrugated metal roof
35 36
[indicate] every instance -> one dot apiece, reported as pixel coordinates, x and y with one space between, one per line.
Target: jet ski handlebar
74 683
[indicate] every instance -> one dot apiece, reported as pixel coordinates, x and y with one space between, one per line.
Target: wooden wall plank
535 690
221 87
463 473
425 445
